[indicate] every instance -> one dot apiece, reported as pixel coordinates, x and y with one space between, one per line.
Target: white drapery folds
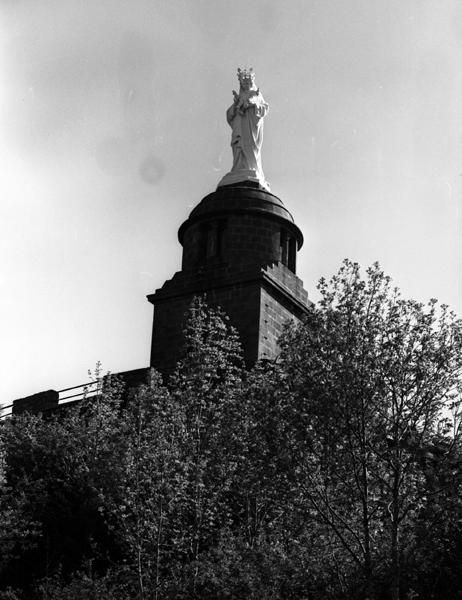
245 116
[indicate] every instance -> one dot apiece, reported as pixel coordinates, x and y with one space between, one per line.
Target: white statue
245 116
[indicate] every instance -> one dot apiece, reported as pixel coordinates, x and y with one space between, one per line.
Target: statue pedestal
241 176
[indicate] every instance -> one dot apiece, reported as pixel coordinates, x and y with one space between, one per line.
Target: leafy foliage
332 473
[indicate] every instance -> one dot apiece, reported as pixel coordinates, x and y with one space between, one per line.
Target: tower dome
239 224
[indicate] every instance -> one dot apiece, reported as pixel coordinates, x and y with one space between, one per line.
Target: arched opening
211 242
288 252
292 259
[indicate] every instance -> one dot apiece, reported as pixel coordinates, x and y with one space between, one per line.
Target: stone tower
239 250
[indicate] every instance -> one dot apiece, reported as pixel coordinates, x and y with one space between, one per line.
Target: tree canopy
333 472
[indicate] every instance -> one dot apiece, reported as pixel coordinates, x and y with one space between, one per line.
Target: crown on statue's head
244 75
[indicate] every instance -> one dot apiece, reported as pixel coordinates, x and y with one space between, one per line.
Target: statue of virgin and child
245 116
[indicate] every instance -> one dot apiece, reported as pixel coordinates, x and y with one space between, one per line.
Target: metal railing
88 389
6 414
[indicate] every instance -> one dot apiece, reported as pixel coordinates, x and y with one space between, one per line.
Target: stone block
37 403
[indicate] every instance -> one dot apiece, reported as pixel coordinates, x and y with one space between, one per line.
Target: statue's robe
246 121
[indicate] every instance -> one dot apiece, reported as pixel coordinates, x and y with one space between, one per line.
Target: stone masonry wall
245 239
258 301
40 402
273 317
241 302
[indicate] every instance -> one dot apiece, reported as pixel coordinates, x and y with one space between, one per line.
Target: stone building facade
240 247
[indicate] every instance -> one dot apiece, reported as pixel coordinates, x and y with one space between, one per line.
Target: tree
373 376
141 489
324 475
54 467
139 501
206 388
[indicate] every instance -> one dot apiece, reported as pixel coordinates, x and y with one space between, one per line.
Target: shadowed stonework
239 250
